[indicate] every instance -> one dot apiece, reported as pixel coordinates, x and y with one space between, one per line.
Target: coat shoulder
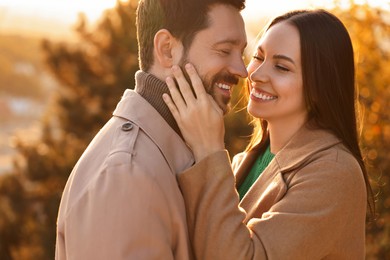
237 160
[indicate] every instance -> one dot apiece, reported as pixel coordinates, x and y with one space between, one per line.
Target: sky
59 15
67 10
272 8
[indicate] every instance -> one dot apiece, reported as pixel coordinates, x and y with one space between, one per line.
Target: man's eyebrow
229 41
232 42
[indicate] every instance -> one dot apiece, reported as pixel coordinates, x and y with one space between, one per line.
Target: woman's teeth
262 96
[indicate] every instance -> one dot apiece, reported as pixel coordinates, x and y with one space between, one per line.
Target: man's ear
167 48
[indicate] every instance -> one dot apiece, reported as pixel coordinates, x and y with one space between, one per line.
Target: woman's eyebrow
283 57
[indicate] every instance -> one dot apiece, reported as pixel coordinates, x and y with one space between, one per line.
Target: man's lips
223 86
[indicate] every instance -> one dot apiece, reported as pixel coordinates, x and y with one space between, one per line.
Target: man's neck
151 88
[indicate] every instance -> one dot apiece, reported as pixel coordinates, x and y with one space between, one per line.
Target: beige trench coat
309 203
122 199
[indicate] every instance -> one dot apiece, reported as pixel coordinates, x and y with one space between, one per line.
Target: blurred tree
21 67
11 214
370 31
93 74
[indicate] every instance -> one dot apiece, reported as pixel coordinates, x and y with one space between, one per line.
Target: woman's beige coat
309 203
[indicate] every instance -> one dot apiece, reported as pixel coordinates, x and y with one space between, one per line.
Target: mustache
227 78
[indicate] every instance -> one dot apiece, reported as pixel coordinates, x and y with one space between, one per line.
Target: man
122 200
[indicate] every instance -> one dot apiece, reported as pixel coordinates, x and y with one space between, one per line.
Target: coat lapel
158 130
269 188
273 183
247 162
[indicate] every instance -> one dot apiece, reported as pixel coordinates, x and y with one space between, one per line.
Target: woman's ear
167 48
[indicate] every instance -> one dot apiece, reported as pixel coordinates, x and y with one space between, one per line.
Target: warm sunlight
67 11
62 76
256 8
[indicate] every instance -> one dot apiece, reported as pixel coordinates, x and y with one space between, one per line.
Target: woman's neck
281 132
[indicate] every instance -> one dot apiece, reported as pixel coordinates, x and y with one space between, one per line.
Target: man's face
217 51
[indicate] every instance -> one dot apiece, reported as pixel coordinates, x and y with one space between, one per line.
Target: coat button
127 126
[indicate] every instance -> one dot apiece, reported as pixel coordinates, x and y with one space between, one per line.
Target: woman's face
275 77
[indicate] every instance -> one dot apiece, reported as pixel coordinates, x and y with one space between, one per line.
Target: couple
300 189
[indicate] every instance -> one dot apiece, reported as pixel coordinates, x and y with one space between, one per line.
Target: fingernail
168 80
189 66
175 68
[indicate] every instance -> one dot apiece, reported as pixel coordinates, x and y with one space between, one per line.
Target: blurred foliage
370 32
93 75
21 64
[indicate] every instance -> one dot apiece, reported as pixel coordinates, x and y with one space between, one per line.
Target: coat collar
134 108
302 146
151 89
307 142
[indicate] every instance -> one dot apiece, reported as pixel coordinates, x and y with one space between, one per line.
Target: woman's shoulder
335 168
339 157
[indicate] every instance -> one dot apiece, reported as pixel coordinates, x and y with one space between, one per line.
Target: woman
300 189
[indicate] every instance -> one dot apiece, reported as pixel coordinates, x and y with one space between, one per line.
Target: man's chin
223 103
225 108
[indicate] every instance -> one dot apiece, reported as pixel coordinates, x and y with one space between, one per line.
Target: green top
258 167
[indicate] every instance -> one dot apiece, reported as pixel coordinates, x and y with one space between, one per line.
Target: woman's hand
199 117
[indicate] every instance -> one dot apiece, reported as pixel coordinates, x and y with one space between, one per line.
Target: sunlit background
41 55
55 16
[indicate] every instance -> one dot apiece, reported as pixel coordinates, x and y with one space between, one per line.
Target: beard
209 83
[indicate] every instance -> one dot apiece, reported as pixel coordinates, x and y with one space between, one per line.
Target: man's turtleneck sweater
152 89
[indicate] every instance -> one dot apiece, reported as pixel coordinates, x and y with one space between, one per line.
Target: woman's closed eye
282 68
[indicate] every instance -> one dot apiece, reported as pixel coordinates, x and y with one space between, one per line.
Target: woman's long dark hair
328 74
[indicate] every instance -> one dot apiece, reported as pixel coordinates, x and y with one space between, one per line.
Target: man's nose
238 68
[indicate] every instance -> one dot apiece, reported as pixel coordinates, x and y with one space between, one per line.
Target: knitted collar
152 89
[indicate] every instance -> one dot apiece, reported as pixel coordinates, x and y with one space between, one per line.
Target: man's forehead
216 38
226 21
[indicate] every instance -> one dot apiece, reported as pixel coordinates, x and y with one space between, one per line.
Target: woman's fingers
195 80
177 99
184 85
200 119
215 105
172 107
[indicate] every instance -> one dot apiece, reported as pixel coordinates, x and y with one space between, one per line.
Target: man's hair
182 18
